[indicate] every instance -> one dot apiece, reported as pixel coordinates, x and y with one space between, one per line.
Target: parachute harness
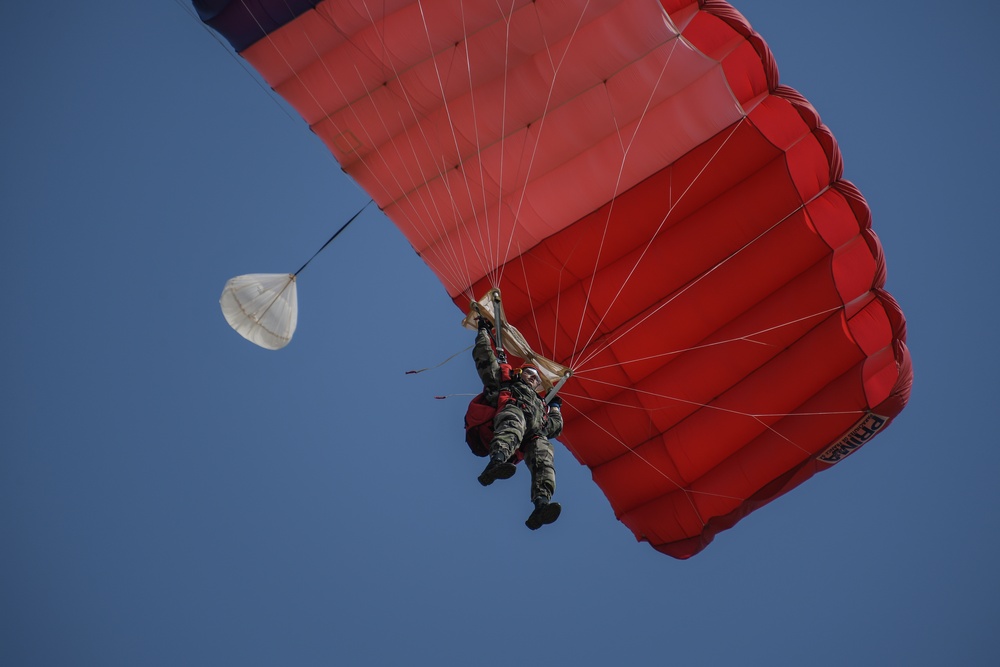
552 369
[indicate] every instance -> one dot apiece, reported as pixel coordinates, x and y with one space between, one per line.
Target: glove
485 324
556 403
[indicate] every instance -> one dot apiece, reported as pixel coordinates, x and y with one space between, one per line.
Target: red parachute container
659 213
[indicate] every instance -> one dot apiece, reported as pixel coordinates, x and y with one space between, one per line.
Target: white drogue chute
262 307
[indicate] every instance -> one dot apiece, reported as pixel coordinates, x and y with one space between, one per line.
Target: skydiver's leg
508 429
540 459
539 456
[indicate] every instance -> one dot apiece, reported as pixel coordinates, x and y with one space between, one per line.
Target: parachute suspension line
490 247
626 148
457 261
688 492
649 244
704 275
547 352
455 143
335 235
502 249
759 418
450 254
336 83
501 262
373 22
487 251
708 406
437 228
427 234
315 100
482 249
632 451
503 155
556 69
645 251
748 338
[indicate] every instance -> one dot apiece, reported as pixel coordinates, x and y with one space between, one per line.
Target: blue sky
170 494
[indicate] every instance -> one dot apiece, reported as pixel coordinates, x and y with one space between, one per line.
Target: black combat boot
496 469
545 512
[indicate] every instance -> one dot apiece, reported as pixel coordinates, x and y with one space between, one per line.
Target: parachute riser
506 335
499 324
559 385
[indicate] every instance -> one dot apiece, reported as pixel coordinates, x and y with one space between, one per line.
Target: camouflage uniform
525 422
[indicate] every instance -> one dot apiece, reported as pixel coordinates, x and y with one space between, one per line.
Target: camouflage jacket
539 419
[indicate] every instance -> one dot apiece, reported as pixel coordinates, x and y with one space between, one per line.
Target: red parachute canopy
659 214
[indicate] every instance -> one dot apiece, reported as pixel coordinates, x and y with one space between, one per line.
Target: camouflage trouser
508 433
540 459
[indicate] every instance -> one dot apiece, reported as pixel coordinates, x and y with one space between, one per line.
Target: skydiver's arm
486 362
554 424
554 419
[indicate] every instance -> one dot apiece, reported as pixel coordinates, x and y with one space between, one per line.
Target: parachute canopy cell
660 214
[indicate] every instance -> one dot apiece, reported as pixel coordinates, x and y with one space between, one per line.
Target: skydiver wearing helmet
523 422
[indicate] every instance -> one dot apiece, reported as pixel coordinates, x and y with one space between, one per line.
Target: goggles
531 377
